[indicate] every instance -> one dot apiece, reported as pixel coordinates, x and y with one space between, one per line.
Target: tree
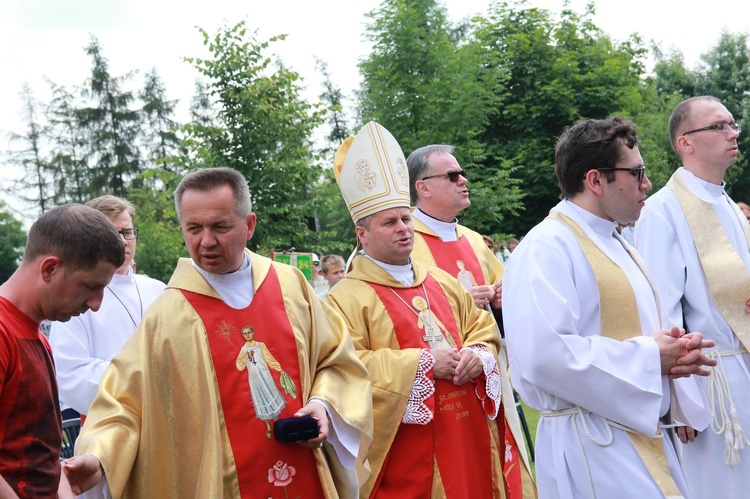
12 240
428 82
336 118
71 175
725 74
160 242
557 73
263 130
160 139
113 127
34 186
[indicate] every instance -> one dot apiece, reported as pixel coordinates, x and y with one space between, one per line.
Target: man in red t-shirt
71 253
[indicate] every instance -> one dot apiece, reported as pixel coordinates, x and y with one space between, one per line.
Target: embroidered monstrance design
364 177
266 396
465 277
433 328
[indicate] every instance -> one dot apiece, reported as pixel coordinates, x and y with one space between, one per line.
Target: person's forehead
443 161
709 111
629 158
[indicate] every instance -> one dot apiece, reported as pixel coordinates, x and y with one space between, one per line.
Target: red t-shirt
30 422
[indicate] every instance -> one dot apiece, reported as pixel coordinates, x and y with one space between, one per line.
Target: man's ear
423 190
684 145
49 266
361 233
594 181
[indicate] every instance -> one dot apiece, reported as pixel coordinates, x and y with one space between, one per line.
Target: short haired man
430 352
584 337
234 343
83 346
71 253
439 191
694 241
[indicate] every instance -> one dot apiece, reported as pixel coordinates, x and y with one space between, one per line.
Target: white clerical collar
402 273
235 288
716 191
119 279
445 230
598 224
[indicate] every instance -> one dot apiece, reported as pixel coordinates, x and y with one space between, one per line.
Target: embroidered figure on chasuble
465 277
267 399
235 342
439 190
436 388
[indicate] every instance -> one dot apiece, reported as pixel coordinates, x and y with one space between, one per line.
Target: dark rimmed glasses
637 172
129 234
452 176
722 128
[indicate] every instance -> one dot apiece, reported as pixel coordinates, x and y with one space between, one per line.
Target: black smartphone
294 429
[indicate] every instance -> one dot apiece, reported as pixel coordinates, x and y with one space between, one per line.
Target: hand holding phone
294 429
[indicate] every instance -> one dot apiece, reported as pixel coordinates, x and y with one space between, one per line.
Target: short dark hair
418 163
682 114
587 145
79 235
208 179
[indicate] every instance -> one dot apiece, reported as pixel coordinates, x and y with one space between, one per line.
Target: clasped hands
681 354
456 366
488 295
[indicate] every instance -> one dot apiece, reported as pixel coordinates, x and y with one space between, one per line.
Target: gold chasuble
184 410
619 320
469 256
727 276
456 454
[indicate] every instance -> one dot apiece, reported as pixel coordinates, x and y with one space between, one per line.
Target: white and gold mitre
371 172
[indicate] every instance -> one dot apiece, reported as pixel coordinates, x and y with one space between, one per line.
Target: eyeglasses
452 176
129 234
638 172
722 128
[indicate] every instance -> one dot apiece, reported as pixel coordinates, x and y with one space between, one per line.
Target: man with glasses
694 241
586 345
438 190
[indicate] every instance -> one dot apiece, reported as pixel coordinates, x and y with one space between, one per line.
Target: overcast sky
46 38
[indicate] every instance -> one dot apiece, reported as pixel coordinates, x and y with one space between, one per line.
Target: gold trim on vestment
727 276
619 320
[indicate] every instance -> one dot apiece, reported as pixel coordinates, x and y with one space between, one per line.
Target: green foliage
113 125
12 240
160 242
263 129
726 75
428 81
557 73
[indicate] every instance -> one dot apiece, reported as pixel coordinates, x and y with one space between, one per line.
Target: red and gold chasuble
465 470
265 467
446 255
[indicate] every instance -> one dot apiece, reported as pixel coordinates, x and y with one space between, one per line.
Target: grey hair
418 163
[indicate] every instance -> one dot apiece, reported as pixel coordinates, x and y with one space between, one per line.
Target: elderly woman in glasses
83 346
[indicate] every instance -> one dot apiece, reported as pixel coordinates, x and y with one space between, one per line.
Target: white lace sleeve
417 411
492 389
